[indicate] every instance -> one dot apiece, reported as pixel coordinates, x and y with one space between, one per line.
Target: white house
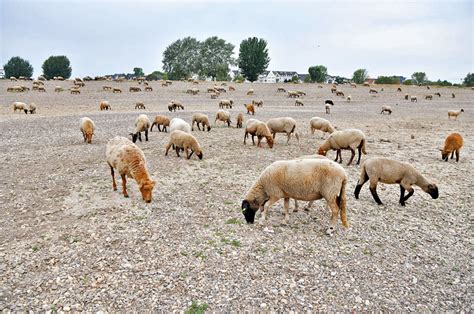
2 73
276 76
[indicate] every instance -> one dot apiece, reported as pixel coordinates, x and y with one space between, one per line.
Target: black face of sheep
432 190
199 155
136 136
208 128
248 212
444 156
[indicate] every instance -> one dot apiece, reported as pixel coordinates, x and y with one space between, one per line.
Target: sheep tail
341 203
362 143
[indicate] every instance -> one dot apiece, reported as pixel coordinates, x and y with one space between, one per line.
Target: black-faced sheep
438 94
200 118
87 128
452 145
226 103
140 105
283 125
454 113
104 105
117 90
413 99
182 140
142 124
299 102
345 139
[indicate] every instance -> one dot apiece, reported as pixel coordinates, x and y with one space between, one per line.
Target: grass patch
35 247
199 254
196 308
233 221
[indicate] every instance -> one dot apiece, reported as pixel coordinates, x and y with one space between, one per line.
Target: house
276 76
370 81
2 73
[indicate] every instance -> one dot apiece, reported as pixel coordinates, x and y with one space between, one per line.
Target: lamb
116 90
429 97
386 109
250 108
142 124
391 171
31 108
283 125
140 105
452 144
344 139
258 103
182 140
21 106
299 102
160 121
301 179
226 103
250 92
260 129
201 118
321 124
179 124
328 108
454 113
413 99
223 115
240 120
104 105
87 129
129 160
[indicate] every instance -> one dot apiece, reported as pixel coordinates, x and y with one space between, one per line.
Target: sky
384 37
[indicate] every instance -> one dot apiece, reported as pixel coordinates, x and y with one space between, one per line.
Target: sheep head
248 211
432 190
208 128
269 141
146 189
322 152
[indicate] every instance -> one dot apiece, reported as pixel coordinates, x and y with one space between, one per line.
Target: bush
387 80
57 66
239 79
16 67
408 82
469 80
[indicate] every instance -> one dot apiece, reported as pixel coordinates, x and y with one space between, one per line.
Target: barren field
69 242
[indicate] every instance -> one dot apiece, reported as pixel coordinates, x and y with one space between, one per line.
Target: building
276 76
2 73
370 81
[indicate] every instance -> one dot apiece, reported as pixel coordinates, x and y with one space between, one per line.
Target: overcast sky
385 37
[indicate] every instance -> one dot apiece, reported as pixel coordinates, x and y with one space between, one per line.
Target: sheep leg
288 138
253 141
308 206
114 185
146 135
359 150
266 207
259 139
359 185
286 204
245 137
457 155
373 191
192 152
452 155
177 150
296 206
410 193
167 149
334 215
140 136
124 185
352 156
402 196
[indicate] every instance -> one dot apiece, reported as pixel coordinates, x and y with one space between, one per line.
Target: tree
295 79
307 78
154 76
57 66
181 58
138 72
408 82
17 66
318 73
223 73
419 77
360 76
253 57
469 79
215 56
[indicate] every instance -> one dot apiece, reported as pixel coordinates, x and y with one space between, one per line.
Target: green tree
154 76
360 76
469 79
17 66
239 78
295 79
408 82
222 73
57 66
318 73
215 56
181 58
419 77
138 72
387 80
307 79
253 57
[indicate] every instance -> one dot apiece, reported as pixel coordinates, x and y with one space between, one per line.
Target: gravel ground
69 242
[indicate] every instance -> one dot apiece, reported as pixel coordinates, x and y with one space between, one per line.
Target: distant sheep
75 91
58 89
226 103
31 108
387 109
429 97
258 103
329 102
328 108
200 118
454 113
250 109
373 91
399 89
117 90
142 124
104 105
260 129
223 115
351 139
453 95
148 89
349 98
321 124
214 95
299 102
175 105
240 120
353 85
87 128
21 106
140 105
134 89
438 94
452 145
41 89
250 92
333 90
179 124
283 125
185 141
160 121
192 91
293 94
281 90
406 96
413 99
231 88
339 93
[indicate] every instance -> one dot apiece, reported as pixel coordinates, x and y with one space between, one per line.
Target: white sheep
344 139
31 108
454 113
129 160
179 124
182 140
328 108
17 105
413 99
142 124
386 109
200 118
226 103
223 115
390 171
87 127
283 125
321 124
302 179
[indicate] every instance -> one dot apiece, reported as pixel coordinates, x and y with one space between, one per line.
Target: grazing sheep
344 139
281 90
301 93
160 121
140 105
31 108
293 94
200 118
226 103
192 91
258 103
353 85
21 106
175 105
250 108
339 93
41 89
453 96
299 102
320 86
386 109
413 99
452 144
328 108
437 94
399 89
133 89
211 90
58 89
283 125
107 88
214 95
321 124
142 124
240 119
223 115
148 89
104 105
454 113
300 179
373 91
406 96
349 98
390 171
16 89
75 91
260 129
231 88
13 79
250 92
333 90
117 90
87 129
429 97
184 141
129 160
220 89
366 85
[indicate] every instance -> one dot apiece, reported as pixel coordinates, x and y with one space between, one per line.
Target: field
69 242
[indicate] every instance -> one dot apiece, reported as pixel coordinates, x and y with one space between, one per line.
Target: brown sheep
140 105
104 105
148 89
87 129
240 120
250 109
160 121
117 90
260 129
452 144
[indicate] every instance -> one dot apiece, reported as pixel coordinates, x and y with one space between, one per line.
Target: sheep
386 109
283 125
214 95
349 98
203 119
231 89
413 99
329 101
281 90
453 95
366 84
79 84
299 102
406 96
192 91
250 92
260 129
211 90
142 124
391 171
293 94
13 79
429 97
75 91
16 89
333 90
240 120
223 115
195 82
87 128
399 89
250 108
140 105
373 91
116 90
353 85
344 139
320 86
438 94
58 89
129 160
107 88
452 144
226 103
301 93
133 89
321 124
220 89
179 124
21 106
328 108
148 89
454 113
160 121
175 105
31 108
339 93
184 141
301 179
41 89
104 105
164 84
258 103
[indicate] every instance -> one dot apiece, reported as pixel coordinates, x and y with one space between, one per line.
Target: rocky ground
68 242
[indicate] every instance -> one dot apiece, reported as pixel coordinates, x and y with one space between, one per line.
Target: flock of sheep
307 178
